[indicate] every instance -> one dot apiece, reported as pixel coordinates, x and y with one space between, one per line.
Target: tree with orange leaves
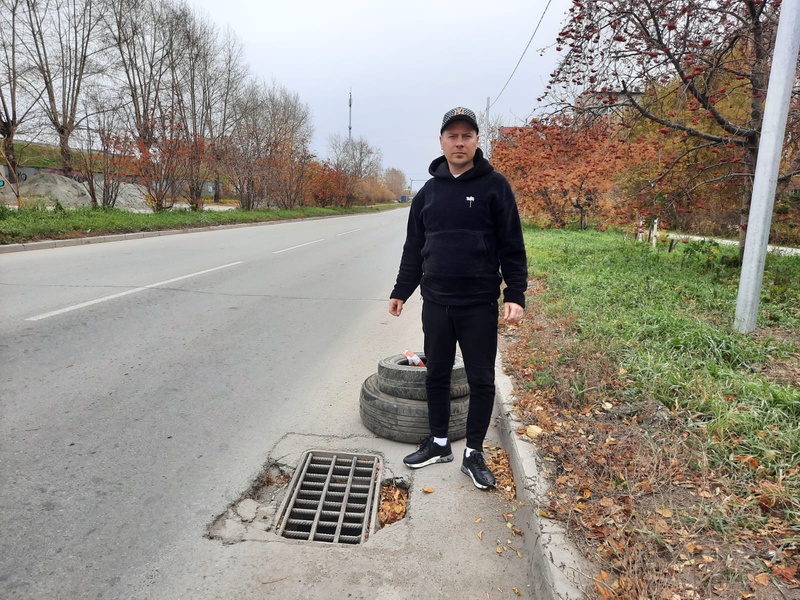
327 186
698 69
560 170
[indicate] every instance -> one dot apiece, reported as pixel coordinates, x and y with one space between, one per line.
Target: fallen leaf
428 490
601 584
533 431
664 512
480 535
479 520
517 592
694 548
787 573
762 578
499 550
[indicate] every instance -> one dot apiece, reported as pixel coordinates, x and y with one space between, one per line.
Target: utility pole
773 129
350 118
487 148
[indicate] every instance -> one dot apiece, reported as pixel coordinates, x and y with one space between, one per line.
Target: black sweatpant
474 327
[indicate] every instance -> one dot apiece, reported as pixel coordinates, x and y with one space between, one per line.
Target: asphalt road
145 381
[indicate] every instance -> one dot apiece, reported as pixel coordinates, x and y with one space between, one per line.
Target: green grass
31 223
666 319
38 155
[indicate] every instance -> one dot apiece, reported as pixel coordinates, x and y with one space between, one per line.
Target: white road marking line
299 246
67 309
346 232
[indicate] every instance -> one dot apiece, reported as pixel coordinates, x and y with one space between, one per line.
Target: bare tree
146 35
290 132
12 89
15 102
192 68
135 29
62 38
357 159
105 151
395 180
224 85
244 149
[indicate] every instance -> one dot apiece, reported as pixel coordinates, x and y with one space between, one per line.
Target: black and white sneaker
429 453
475 466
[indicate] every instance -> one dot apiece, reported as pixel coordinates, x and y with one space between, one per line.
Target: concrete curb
559 570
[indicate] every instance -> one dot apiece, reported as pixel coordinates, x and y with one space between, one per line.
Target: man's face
459 143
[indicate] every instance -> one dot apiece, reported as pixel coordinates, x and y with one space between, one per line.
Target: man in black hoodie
464 238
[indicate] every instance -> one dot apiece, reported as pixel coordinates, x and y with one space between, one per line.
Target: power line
523 53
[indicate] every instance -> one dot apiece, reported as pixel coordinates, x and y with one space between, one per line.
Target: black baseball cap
459 113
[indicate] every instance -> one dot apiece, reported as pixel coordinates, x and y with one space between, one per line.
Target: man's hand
395 307
512 312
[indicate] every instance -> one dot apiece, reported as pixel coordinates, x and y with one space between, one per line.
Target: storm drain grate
332 499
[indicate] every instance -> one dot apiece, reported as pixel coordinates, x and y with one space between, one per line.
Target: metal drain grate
332 499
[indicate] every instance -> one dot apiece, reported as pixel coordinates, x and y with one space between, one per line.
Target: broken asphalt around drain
455 541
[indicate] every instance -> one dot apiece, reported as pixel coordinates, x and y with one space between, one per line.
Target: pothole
252 517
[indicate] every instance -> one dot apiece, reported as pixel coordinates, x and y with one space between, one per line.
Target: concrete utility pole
773 128
487 145
350 118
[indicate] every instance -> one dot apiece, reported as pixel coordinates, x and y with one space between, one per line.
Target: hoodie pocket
454 253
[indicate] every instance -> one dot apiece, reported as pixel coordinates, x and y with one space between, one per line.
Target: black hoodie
464 237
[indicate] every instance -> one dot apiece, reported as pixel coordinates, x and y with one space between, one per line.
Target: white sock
468 451
440 441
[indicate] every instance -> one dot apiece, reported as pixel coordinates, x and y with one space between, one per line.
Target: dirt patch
787 370
632 484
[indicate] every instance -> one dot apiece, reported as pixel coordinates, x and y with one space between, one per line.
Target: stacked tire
394 405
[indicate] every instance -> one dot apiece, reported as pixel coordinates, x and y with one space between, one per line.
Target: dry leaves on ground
394 503
497 461
635 488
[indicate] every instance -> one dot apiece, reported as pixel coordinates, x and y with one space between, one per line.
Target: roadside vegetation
671 443
38 222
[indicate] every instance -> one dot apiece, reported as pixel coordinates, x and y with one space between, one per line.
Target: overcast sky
407 63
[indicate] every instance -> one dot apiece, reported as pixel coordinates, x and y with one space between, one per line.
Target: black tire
397 378
405 419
